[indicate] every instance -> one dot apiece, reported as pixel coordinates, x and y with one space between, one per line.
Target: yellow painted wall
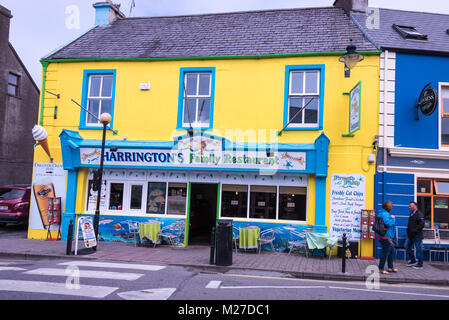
249 95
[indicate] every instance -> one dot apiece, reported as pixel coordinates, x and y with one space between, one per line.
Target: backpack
379 226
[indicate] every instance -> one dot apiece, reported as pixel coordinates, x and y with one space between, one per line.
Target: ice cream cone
40 135
44 144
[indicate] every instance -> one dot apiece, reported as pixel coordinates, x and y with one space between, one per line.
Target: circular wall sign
428 100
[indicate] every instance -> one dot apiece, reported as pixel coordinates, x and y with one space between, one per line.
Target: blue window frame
196 98
304 84
98 96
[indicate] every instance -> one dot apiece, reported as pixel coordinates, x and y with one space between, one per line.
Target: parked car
15 204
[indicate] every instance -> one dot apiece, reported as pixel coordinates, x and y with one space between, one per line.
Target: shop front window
292 203
136 197
433 202
177 198
234 201
116 196
156 198
262 202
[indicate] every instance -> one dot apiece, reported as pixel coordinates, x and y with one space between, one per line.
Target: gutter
44 80
262 56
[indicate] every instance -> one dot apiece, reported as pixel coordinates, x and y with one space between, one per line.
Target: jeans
417 243
387 254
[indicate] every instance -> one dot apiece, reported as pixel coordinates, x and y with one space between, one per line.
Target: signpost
355 105
87 229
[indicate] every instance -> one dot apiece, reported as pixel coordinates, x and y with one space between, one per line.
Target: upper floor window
303 91
98 96
444 109
13 84
196 98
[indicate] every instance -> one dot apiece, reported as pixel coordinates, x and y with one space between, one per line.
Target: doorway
203 212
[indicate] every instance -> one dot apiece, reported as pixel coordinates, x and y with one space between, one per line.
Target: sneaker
411 264
417 267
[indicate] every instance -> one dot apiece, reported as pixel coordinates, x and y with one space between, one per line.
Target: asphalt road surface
110 280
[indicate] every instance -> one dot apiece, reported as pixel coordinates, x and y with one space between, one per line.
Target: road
109 280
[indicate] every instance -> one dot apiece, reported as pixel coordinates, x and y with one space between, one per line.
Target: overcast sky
38 27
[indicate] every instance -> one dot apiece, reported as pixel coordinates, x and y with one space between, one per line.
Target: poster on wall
92 197
49 180
354 108
347 199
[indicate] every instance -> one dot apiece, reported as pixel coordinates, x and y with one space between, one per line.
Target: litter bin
223 243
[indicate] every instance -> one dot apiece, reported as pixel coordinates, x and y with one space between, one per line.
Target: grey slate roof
432 24
227 34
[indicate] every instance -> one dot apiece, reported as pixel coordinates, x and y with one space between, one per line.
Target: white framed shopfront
136 177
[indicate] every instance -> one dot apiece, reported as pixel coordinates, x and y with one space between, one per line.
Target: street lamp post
105 119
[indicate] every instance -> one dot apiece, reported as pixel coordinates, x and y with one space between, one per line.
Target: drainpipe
385 150
44 80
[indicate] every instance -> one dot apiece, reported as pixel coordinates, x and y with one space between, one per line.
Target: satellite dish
427 101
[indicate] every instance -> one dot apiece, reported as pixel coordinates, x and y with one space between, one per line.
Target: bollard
343 261
69 239
212 247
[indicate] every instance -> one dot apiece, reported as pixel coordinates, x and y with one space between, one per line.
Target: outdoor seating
133 230
431 237
235 237
170 235
298 241
398 246
266 237
150 232
249 237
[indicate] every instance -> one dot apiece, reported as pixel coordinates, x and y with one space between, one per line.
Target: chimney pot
352 5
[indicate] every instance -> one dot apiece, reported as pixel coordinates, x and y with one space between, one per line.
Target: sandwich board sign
87 229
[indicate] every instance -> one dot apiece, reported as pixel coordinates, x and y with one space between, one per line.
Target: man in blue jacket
415 236
387 240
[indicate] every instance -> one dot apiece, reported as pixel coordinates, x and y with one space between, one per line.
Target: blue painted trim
179 125
70 202
289 68
320 201
85 89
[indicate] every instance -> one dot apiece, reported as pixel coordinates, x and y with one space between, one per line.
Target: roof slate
385 37
286 31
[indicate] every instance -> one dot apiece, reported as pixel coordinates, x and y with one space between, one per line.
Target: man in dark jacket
415 236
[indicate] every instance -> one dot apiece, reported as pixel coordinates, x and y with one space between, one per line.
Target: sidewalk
198 256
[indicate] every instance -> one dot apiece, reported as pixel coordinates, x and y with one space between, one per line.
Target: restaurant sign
219 159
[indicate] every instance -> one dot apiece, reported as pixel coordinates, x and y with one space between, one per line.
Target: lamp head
105 118
351 57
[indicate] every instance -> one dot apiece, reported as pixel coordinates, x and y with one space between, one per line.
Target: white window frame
305 97
197 96
440 112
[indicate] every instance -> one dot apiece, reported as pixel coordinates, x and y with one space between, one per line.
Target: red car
14 204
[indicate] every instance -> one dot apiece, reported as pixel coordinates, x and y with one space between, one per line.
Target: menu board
347 199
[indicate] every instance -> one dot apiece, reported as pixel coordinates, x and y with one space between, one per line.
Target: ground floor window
265 202
433 202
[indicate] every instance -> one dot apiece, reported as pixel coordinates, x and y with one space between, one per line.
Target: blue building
413 141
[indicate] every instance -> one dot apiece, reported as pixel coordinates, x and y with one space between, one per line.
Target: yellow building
207 124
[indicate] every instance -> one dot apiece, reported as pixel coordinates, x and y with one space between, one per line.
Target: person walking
415 236
387 240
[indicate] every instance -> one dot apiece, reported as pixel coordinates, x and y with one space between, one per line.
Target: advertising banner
49 180
347 199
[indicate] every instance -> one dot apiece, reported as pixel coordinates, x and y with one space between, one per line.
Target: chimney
5 17
107 12
352 5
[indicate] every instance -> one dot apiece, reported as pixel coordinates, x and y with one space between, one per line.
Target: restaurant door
203 212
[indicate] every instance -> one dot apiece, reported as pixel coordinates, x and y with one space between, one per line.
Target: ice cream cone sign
41 136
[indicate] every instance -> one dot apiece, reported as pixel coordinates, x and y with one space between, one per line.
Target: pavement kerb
224 269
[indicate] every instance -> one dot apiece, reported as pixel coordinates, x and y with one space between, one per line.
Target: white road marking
11 269
55 288
213 285
113 265
392 292
273 287
87 274
148 294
